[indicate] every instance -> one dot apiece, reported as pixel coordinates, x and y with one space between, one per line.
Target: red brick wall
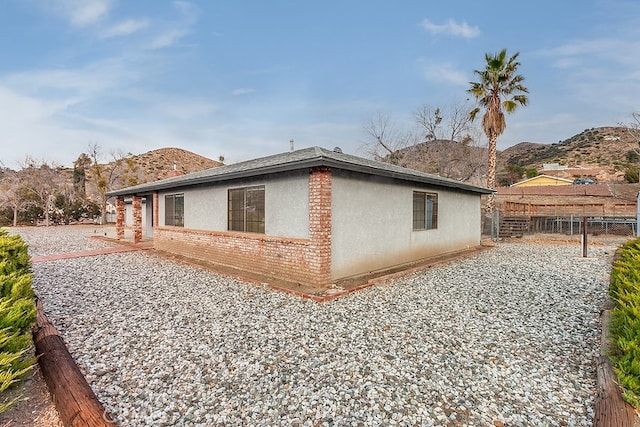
136 204
156 208
120 218
272 256
306 261
320 223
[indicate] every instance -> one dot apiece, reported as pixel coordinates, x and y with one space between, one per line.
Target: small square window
425 211
246 209
174 210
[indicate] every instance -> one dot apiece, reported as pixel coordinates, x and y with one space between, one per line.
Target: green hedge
17 312
625 320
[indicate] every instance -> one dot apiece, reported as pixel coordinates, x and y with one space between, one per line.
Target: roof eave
292 166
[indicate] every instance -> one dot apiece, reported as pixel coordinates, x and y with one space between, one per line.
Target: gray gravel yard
508 335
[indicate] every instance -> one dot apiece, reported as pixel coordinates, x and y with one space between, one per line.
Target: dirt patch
564 239
34 407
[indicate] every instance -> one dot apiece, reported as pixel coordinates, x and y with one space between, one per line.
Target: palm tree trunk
491 174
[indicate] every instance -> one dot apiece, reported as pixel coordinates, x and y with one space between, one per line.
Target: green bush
625 320
17 313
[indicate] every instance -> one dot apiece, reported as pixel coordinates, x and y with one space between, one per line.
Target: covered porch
136 217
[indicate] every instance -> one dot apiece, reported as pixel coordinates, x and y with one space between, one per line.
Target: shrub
531 173
17 313
632 174
625 320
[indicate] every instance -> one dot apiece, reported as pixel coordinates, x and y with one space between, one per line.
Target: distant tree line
41 192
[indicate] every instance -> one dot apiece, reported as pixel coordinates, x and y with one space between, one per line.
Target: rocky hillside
604 153
449 159
150 166
610 148
158 164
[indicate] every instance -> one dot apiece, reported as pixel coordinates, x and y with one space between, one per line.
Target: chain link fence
502 225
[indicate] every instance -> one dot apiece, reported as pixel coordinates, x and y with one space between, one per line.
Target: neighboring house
542 180
310 216
566 200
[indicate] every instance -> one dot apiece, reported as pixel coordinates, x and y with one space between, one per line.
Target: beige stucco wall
372 223
286 205
128 214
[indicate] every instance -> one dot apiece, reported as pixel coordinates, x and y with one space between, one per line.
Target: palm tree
498 88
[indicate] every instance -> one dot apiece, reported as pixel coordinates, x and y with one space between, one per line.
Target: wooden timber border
72 396
610 409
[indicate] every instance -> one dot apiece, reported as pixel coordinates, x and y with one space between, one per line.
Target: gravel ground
507 336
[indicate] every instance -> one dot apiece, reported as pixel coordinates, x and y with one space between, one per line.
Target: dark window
425 211
174 210
246 209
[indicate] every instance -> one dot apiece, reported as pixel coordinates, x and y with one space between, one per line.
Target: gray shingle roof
295 160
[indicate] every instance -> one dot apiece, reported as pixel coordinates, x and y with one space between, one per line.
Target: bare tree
451 141
40 180
385 139
443 142
430 122
12 192
105 175
632 128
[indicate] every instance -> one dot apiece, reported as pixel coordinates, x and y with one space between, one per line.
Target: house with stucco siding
311 216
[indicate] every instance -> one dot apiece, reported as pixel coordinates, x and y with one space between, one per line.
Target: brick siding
120 218
136 204
156 209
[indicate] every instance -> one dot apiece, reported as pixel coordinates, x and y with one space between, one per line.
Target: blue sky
241 78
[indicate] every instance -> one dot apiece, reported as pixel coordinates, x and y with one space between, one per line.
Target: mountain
603 153
608 148
161 163
450 159
142 168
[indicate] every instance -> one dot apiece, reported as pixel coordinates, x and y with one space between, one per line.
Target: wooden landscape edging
74 399
610 410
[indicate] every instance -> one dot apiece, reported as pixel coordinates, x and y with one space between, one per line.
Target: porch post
137 218
120 218
156 209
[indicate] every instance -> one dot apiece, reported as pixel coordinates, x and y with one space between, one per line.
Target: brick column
156 209
320 225
120 218
137 218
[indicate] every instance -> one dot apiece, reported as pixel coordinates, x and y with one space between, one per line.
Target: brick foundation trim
288 259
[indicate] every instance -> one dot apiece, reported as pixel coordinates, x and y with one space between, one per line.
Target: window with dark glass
246 209
425 211
174 210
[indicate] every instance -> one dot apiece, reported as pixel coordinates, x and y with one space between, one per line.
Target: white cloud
125 28
242 91
452 28
444 73
189 11
82 13
167 38
565 63
171 35
611 50
92 79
